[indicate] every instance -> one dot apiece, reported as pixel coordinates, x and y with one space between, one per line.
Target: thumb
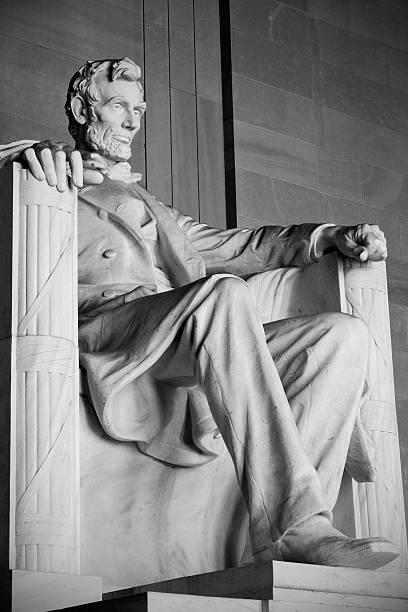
92 177
360 253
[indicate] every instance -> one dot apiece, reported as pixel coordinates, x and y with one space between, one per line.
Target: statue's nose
131 122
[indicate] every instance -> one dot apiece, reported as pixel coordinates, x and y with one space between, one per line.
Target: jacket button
102 214
109 254
109 293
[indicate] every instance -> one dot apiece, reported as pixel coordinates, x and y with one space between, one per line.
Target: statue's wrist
328 239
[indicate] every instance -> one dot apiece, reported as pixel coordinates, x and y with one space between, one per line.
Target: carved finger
92 177
48 167
95 161
61 170
359 252
363 255
77 169
63 146
34 165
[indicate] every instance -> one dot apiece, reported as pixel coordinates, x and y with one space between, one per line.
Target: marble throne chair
77 506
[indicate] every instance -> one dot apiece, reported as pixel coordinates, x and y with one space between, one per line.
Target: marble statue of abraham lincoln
163 298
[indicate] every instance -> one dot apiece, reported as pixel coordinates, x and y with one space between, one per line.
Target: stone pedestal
42 591
269 587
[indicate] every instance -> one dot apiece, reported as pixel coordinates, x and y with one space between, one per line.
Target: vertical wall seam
228 113
144 90
196 109
170 103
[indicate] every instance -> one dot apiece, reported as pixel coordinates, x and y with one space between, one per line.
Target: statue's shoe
339 550
317 542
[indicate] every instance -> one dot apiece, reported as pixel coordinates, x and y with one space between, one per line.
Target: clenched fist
363 242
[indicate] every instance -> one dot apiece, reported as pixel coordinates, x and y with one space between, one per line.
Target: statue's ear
78 107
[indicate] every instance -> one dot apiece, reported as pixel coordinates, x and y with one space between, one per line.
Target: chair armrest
290 292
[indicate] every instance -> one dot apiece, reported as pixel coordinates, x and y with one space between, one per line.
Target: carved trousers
284 395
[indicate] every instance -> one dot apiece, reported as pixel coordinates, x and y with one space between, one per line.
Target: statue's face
117 119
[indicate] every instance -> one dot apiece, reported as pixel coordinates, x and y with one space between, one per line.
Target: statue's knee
349 329
231 288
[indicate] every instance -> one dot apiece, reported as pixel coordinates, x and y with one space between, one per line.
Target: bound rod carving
378 506
46 394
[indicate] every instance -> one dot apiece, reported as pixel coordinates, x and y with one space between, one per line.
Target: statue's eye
116 106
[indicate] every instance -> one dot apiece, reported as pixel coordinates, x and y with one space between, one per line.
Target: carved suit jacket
113 259
116 272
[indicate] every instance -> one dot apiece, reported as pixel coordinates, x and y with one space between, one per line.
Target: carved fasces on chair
46 386
378 506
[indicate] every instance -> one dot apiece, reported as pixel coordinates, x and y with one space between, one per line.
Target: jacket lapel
114 200
182 261
184 264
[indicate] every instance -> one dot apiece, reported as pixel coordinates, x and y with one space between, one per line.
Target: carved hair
83 84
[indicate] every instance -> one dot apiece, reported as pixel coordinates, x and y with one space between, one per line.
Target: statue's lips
124 139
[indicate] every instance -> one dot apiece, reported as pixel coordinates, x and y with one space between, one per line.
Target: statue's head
104 107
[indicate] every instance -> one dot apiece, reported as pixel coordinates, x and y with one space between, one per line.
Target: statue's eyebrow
114 98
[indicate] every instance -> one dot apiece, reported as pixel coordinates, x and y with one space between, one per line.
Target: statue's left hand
363 242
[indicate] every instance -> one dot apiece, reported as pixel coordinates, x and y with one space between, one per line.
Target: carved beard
101 140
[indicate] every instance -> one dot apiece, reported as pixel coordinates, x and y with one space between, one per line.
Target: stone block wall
320 115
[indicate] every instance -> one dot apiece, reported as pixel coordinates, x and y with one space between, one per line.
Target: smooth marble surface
157 91
358 54
398 68
207 49
358 139
275 155
163 521
181 40
356 96
381 20
335 11
211 185
399 326
263 198
184 152
42 591
276 109
271 21
286 65
76 29
401 152
338 177
397 281
384 189
400 369
403 227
